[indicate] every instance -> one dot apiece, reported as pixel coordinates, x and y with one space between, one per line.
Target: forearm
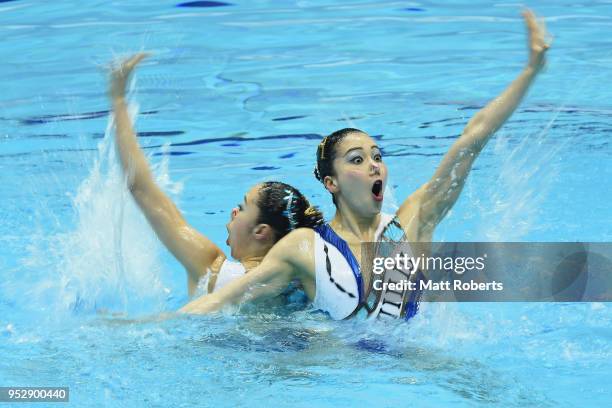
442 191
205 304
192 249
133 160
232 294
490 118
269 279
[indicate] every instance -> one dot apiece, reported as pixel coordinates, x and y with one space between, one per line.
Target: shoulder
295 249
296 241
299 235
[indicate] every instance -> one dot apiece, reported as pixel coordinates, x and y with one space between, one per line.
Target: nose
375 166
234 212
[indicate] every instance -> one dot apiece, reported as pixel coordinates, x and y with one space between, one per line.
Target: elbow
473 138
133 187
138 183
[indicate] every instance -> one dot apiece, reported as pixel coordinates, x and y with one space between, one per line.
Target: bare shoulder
296 249
297 241
300 234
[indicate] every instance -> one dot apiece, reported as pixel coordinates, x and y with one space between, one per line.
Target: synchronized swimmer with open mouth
268 212
324 258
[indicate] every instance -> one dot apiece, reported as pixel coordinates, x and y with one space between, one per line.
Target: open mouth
377 190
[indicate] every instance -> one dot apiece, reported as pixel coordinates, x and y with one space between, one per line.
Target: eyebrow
360 148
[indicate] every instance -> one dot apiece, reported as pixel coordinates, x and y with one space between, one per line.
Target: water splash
109 261
511 202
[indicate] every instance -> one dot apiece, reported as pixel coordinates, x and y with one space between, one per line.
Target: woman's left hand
537 42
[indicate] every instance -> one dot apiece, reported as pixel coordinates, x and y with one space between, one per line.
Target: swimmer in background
269 211
350 166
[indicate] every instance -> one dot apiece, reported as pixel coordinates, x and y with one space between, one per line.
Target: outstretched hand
120 74
536 40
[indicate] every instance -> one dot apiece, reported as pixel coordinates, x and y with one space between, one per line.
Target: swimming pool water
240 92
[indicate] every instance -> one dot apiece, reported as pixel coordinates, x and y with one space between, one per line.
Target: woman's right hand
120 74
537 43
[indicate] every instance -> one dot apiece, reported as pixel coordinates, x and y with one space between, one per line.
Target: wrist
119 99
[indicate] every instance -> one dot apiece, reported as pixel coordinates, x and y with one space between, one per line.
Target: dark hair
284 208
326 154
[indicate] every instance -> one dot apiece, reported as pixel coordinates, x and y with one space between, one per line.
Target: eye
240 207
357 160
378 157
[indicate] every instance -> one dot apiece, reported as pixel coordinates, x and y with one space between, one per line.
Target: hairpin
322 146
288 211
310 211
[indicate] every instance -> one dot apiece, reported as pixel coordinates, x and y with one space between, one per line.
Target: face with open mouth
361 174
242 221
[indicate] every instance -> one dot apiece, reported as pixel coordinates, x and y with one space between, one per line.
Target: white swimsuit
339 285
228 272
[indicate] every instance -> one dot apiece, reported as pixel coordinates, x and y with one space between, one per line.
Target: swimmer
269 211
350 166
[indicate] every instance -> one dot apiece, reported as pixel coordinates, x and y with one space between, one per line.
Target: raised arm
289 259
430 203
196 252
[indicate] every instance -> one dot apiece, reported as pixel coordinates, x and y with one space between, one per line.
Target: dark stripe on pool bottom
204 4
265 168
48 136
37 120
239 139
161 133
288 118
172 153
307 136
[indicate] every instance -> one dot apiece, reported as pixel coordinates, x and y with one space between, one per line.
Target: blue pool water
238 92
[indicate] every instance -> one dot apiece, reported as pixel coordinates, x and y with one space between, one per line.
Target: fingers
530 19
532 23
537 39
546 37
125 67
134 60
536 29
121 72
